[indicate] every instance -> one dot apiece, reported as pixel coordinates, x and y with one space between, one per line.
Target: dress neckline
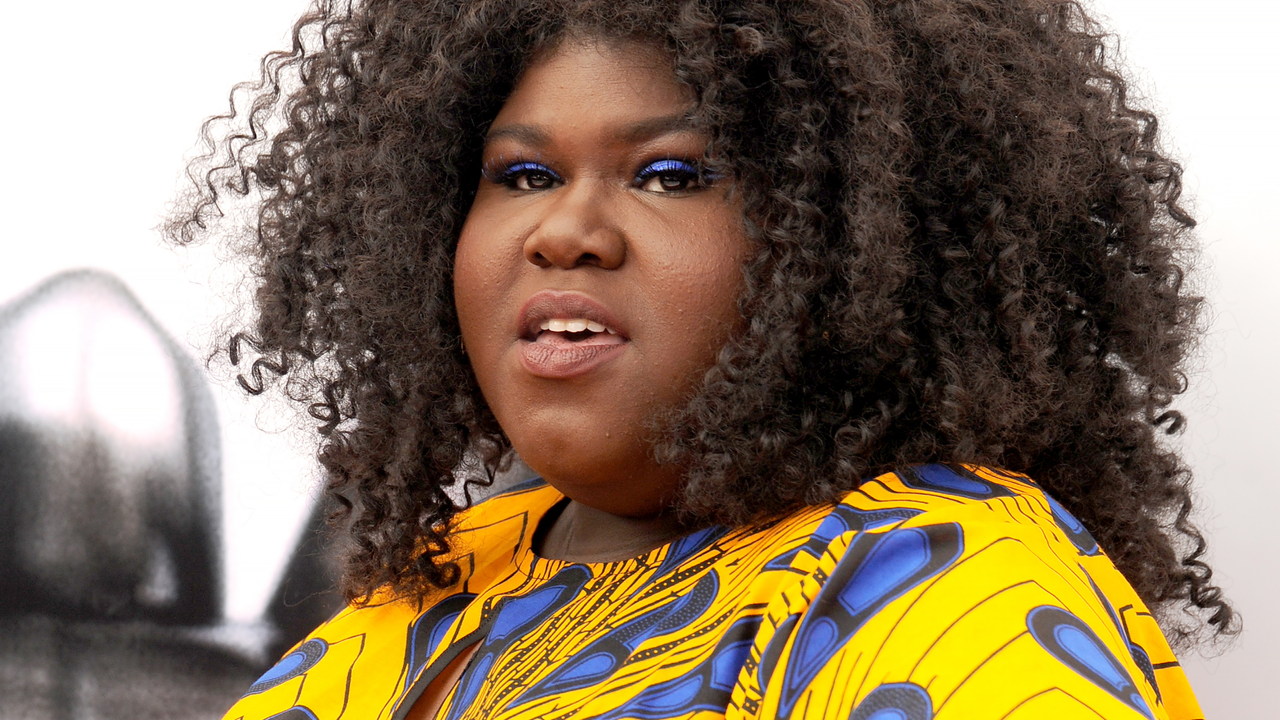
537 567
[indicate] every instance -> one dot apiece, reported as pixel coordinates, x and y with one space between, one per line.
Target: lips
560 335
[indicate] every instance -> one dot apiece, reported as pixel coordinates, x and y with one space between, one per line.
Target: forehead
583 83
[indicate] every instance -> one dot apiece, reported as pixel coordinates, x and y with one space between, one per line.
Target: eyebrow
635 132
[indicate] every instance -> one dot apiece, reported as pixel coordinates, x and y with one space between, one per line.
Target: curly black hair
970 250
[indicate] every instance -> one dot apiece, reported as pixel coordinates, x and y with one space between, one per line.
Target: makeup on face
564 335
599 268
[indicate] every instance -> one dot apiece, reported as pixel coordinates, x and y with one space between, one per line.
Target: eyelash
687 171
509 173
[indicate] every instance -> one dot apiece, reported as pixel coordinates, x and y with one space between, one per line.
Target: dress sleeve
989 615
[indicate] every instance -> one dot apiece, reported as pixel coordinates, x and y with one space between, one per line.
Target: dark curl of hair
970 249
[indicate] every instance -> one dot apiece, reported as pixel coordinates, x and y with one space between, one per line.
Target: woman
785 302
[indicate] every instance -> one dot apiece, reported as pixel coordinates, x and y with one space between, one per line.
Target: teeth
575 325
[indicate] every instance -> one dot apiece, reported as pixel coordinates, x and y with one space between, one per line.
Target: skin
662 254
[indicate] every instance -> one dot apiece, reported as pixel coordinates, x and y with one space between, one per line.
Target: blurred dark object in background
110 585
58 669
109 461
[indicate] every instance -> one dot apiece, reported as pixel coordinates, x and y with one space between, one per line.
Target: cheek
467 288
702 287
477 299
714 265
477 282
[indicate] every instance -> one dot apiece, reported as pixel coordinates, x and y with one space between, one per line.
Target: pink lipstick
567 334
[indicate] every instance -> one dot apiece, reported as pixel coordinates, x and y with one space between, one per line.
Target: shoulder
352 661
962 589
986 506
954 510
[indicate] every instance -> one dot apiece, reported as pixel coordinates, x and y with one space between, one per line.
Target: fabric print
934 593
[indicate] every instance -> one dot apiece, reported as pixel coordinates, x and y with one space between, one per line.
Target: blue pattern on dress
875 570
773 651
1071 642
842 519
951 481
707 688
516 615
1074 529
686 547
889 565
427 632
604 656
895 701
291 666
519 612
1139 655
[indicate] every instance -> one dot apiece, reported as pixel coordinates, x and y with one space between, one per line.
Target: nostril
544 261
550 246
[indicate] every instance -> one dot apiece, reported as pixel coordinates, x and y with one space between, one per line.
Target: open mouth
577 331
566 334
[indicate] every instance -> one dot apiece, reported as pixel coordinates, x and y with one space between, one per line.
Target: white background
102 101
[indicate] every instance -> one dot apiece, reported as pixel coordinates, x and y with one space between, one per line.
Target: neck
584 534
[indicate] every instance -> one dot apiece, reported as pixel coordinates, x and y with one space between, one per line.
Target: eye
526 176
668 176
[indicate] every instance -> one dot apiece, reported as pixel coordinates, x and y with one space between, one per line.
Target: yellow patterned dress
933 592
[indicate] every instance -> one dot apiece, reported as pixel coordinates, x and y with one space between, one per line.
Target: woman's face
597 273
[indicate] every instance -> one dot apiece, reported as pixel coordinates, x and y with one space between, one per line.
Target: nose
577 230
